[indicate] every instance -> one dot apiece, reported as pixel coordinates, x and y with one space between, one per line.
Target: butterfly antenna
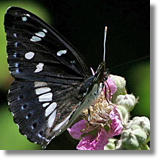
104 43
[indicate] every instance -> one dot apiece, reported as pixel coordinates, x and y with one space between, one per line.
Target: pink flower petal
90 142
116 124
110 86
86 143
78 129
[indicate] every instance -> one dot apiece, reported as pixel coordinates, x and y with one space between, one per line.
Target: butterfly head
106 74
102 73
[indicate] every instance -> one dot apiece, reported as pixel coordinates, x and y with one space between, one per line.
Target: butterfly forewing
31 40
49 76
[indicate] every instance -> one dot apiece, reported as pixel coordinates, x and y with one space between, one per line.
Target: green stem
145 147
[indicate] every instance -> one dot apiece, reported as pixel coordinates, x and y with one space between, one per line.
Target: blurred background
82 23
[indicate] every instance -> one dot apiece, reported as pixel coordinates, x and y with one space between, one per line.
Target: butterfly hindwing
41 109
49 76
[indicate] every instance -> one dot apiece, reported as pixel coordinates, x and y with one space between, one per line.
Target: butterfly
53 83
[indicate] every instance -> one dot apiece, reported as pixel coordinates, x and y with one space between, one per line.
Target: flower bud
129 140
110 145
127 100
139 133
133 137
124 115
120 84
119 81
143 123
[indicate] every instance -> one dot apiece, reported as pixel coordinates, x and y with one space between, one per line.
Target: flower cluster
109 117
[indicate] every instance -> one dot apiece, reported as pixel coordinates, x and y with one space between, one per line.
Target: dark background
82 23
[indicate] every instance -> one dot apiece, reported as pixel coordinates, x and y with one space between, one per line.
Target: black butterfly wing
42 109
33 47
48 74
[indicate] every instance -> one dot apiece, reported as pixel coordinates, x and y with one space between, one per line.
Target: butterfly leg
107 92
89 115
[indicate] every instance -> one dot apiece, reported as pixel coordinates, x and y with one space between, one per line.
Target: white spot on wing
58 126
29 55
15 35
39 67
44 30
17 70
51 119
24 18
59 53
16 65
50 109
45 97
35 39
73 62
45 104
40 84
27 15
16 44
40 34
15 55
42 90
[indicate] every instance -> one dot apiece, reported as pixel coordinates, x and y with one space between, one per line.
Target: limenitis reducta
53 82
